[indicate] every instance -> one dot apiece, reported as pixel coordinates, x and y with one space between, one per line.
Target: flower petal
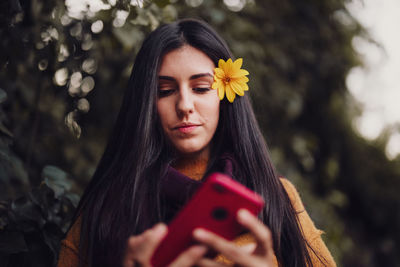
219 73
228 67
242 79
239 73
237 88
238 64
214 85
244 86
221 63
221 92
229 93
217 84
220 86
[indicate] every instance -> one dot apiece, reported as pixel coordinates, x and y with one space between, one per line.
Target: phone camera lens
219 188
219 213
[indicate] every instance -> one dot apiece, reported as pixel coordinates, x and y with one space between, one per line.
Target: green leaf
74 198
44 198
26 215
161 3
56 179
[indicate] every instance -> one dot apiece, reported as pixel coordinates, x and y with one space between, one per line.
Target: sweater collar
178 188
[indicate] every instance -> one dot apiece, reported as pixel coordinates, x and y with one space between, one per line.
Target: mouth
186 127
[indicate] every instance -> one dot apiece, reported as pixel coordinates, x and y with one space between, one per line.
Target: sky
377 85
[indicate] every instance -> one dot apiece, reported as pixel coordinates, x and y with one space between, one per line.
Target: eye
165 92
201 90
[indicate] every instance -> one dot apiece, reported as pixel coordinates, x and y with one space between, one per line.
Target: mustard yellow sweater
69 247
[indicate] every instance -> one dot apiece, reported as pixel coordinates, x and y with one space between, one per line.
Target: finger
249 248
128 262
134 244
205 262
190 256
260 232
225 247
141 247
155 235
148 239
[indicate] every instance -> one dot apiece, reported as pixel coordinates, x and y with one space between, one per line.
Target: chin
191 150
188 151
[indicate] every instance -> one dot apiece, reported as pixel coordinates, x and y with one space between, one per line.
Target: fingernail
199 233
199 249
159 228
243 214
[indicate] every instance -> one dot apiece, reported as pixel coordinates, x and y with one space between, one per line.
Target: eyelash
167 92
202 90
164 93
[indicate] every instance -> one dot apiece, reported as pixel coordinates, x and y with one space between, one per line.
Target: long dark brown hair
123 197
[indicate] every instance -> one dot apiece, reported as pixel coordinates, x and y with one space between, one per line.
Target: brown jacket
69 248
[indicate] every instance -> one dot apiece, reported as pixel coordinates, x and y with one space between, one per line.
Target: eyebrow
200 75
193 77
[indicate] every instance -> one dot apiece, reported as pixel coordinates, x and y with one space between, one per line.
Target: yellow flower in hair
230 79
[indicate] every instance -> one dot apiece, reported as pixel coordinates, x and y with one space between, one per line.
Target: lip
186 127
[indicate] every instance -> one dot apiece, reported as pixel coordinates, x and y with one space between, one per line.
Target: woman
173 130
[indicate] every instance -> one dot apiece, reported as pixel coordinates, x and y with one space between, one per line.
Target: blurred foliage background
64 66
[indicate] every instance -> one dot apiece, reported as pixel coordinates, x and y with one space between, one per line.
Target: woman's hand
140 248
262 255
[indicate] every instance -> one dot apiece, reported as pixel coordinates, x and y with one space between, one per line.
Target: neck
193 166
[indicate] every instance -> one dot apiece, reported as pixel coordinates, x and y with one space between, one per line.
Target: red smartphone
213 207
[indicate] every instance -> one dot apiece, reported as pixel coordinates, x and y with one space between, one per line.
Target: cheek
211 111
216 106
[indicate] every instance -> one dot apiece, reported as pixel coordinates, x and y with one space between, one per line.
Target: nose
184 104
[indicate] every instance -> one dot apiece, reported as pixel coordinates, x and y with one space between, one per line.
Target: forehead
186 60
